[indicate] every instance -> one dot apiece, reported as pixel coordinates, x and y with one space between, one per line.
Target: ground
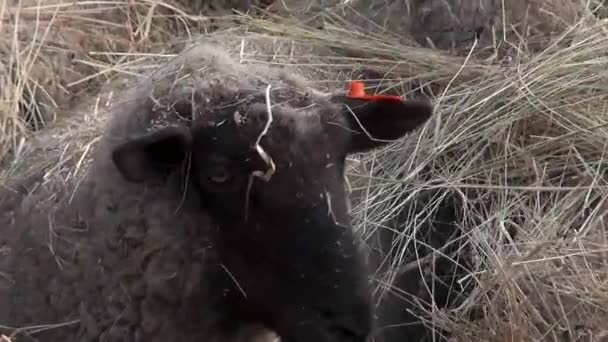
518 143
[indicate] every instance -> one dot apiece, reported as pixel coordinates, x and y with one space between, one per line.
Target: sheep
214 209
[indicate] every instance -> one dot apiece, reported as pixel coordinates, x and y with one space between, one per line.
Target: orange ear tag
356 91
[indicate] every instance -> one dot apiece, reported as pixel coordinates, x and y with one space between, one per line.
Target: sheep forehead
304 123
286 123
247 105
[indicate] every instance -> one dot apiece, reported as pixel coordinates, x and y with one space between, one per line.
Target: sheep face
271 176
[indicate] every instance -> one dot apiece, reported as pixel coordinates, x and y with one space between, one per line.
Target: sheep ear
377 123
152 154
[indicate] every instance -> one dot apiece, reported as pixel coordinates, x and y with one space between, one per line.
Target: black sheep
214 205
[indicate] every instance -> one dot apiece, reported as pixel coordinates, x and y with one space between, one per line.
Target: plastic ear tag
357 91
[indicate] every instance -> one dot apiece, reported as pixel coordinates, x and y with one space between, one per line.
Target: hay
449 24
522 145
52 54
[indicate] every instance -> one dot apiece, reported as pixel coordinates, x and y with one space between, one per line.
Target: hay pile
53 54
523 146
519 143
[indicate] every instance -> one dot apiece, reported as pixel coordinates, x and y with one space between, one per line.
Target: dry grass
521 141
524 146
52 54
